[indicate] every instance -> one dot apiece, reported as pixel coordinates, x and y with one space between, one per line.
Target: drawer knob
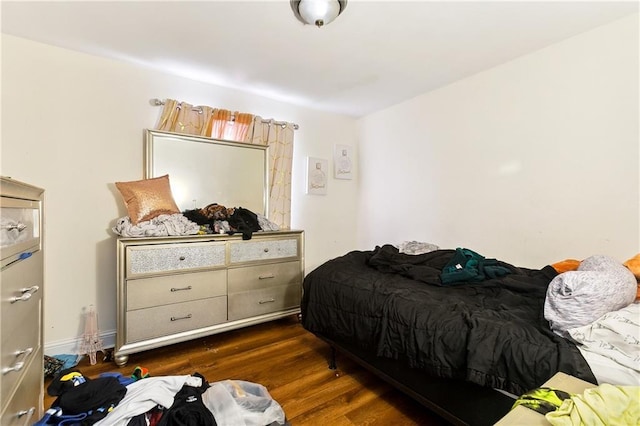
182 258
266 249
26 294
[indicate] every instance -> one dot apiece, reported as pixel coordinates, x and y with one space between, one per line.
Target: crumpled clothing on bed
467 265
438 267
416 247
160 226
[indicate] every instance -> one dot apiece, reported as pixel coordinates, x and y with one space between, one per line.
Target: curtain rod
158 102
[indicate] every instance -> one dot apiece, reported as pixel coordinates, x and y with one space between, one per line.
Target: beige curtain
279 139
181 117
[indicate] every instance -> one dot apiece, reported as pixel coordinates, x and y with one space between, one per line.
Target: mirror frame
218 146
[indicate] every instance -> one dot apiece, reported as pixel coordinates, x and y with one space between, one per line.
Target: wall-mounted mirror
204 170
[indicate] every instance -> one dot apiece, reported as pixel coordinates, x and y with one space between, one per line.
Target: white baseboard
72 346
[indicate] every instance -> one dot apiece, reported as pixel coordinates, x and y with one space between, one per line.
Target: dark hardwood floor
292 364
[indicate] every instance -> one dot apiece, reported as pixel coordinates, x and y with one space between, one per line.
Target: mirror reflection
203 171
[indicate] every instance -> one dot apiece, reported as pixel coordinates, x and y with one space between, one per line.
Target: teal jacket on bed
467 265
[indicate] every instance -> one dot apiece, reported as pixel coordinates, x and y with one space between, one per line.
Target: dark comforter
491 332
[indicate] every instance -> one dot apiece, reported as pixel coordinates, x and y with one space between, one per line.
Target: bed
464 349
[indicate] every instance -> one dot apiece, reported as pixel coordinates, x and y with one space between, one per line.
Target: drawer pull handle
19 226
181 318
16 367
25 352
20 364
262 302
28 412
182 258
26 294
266 277
181 289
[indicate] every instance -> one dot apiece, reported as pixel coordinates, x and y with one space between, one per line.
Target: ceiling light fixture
317 12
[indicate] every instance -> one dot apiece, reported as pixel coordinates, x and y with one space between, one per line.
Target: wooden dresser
174 289
21 281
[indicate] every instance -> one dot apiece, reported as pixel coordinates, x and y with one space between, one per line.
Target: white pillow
577 298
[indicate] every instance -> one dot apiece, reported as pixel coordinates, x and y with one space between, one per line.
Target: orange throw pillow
566 265
147 198
634 266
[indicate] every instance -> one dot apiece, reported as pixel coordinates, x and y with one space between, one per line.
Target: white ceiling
376 54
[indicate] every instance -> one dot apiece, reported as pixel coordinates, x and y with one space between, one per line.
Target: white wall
531 162
73 124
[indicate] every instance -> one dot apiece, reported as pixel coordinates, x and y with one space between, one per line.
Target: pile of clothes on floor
112 399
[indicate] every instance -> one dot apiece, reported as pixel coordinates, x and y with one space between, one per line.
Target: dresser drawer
260 276
258 302
19 226
165 320
247 251
21 283
20 319
20 326
21 297
18 351
153 259
167 289
19 346
23 408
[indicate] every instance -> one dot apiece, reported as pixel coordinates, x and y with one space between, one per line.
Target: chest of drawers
179 288
21 289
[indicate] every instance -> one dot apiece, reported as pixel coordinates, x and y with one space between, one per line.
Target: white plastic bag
241 403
